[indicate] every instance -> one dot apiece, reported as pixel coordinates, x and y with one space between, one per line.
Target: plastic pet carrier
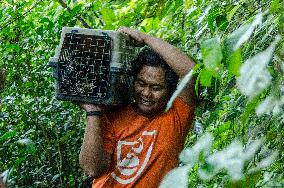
94 66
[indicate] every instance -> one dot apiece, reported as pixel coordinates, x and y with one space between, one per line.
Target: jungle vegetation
237 46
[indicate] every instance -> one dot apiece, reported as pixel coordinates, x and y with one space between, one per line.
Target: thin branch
84 23
100 20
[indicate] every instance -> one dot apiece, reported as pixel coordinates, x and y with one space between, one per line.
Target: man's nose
146 91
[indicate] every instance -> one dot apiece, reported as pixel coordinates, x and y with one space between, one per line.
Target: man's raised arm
93 158
174 57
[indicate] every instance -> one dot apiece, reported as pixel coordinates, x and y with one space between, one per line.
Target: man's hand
88 106
135 34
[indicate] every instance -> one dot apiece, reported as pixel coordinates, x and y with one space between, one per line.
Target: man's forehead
152 74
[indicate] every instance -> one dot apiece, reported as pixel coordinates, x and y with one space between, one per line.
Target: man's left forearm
174 57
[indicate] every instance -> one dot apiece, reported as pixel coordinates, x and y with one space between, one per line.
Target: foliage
40 137
232 160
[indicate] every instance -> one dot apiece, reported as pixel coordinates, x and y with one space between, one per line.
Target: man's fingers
131 32
122 29
134 34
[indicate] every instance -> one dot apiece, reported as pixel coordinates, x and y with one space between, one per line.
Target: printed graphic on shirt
133 163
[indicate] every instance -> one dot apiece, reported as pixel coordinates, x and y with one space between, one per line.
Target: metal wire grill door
84 66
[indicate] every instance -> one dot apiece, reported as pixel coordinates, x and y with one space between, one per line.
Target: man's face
150 90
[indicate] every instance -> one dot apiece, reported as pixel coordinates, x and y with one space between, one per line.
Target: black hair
148 57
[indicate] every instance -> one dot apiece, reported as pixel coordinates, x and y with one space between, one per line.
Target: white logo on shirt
130 164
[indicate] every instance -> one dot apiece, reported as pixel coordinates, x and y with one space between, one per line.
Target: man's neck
147 115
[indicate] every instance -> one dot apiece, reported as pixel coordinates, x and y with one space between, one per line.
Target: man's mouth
146 101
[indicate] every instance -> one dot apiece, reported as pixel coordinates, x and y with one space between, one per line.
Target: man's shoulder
115 112
180 103
182 108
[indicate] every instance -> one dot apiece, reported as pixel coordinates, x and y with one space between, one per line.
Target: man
136 145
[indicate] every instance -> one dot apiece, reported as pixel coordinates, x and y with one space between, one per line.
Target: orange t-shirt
143 150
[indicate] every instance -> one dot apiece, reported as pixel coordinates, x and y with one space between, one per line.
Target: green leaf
249 109
205 77
224 127
13 47
44 20
76 9
55 177
30 145
213 13
96 5
147 24
188 4
276 5
31 148
209 168
233 12
222 22
108 16
235 62
8 135
212 53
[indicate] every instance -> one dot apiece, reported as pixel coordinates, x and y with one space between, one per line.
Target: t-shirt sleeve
184 114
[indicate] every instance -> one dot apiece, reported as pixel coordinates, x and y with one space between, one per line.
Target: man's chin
147 110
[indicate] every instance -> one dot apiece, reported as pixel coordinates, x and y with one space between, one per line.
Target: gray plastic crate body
94 66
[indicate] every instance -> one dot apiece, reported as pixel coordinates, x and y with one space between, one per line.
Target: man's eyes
153 87
157 88
141 84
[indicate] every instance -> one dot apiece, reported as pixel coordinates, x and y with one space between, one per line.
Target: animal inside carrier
94 66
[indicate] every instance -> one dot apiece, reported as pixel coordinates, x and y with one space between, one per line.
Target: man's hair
148 57
2 79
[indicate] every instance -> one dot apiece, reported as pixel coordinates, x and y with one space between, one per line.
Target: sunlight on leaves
204 14
176 178
266 162
254 76
270 104
24 141
228 159
248 31
30 145
190 156
232 159
211 53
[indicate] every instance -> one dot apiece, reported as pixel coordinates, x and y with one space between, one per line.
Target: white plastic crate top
123 48
94 66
